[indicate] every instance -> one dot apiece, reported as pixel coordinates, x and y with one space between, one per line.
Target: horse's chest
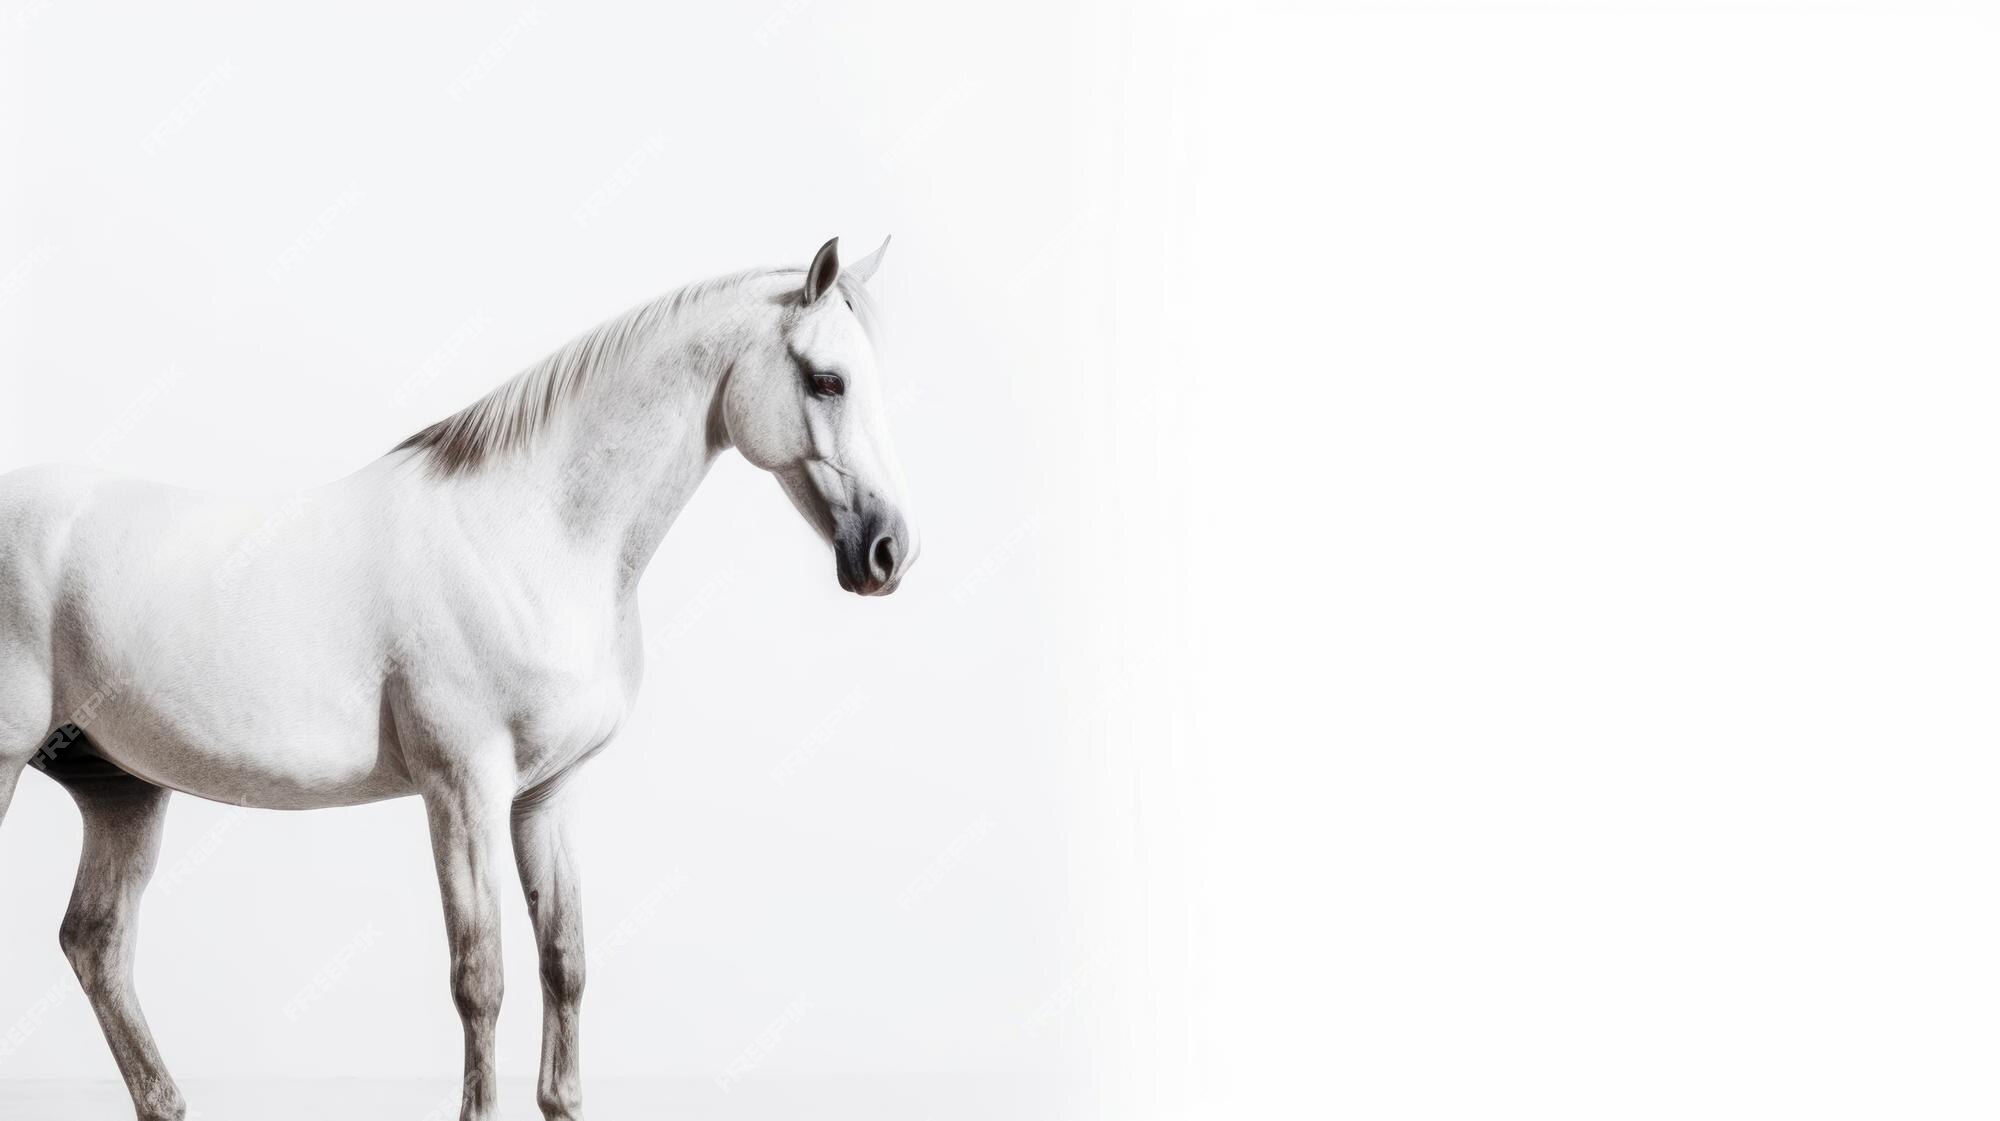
541 666
566 708
567 721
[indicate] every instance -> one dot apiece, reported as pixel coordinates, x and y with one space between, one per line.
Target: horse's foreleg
549 878
122 820
468 838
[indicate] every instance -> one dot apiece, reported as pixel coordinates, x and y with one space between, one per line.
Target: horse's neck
619 462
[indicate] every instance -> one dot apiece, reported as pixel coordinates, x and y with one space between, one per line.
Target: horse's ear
865 268
824 270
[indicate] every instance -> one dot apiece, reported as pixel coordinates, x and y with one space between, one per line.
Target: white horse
458 621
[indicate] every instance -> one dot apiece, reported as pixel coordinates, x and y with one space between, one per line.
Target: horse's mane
510 416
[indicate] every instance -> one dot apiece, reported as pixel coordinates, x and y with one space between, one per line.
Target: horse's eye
828 385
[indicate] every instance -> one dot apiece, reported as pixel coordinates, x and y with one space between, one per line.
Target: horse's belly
225 651
302 766
278 721
271 717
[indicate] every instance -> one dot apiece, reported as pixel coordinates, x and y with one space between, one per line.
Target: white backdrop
1458 537
259 249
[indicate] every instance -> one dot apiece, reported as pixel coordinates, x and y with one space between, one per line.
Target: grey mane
512 415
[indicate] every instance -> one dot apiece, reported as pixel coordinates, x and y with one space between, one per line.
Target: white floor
896 1098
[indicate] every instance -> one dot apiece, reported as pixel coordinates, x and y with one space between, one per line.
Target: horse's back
68 532
35 505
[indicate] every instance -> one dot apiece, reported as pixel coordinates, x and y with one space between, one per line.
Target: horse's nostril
882 558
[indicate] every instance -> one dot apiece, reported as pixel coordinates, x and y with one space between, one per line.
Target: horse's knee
476 986
86 937
562 973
